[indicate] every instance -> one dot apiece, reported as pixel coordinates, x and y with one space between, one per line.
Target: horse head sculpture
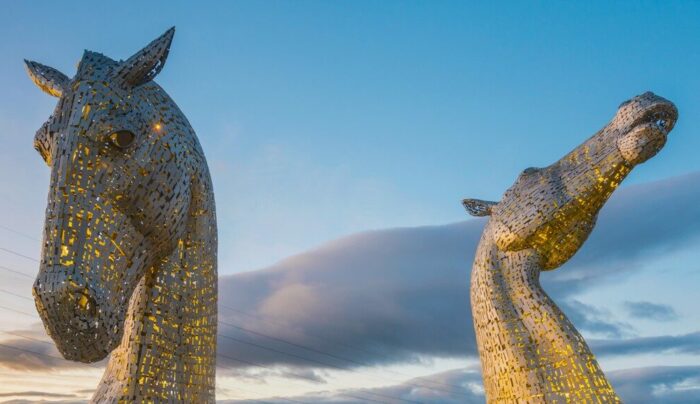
529 350
128 263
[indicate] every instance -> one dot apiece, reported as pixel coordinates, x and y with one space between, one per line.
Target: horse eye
122 138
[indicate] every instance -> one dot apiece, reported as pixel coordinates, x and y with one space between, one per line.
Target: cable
250 363
43 341
35 353
25 235
16 272
291 400
16 295
272 350
336 357
318 337
308 360
18 254
307 348
17 311
332 356
301 346
261 334
63 360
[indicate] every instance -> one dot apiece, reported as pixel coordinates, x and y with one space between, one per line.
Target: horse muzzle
73 317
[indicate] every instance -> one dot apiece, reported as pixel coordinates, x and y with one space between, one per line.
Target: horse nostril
85 302
62 293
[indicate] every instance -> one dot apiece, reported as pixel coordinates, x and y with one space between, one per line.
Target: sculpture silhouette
128 263
529 350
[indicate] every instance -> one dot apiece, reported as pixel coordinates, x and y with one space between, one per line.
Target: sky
341 138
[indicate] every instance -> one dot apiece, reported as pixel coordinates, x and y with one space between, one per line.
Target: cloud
22 401
372 297
686 343
659 384
652 311
32 350
649 385
594 319
639 221
36 394
27 355
41 397
401 295
454 386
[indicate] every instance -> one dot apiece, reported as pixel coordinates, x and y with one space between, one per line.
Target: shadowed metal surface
529 350
128 263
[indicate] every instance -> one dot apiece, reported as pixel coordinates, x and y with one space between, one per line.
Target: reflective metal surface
129 252
529 350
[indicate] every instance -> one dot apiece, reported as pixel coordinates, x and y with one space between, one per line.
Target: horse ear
48 79
477 207
145 64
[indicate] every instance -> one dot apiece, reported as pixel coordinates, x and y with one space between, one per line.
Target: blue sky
323 119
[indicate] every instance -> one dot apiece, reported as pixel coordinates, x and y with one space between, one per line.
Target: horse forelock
94 64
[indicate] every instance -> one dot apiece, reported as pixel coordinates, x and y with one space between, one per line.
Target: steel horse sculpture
128 263
529 350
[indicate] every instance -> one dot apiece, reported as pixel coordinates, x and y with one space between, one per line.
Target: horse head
122 159
553 209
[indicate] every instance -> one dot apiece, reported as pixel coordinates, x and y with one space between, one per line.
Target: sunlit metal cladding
129 253
529 350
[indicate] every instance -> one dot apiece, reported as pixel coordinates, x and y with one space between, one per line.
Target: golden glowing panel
529 350
129 253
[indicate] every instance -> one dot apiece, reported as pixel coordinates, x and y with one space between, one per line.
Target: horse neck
529 350
168 351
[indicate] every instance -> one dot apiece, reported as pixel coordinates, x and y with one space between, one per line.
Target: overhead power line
352 347
3 268
309 349
19 233
274 338
7 250
239 360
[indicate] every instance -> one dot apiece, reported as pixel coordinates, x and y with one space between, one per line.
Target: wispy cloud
32 350
39 394
594 319
649 385
455 386
685 343
653 311
43 399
